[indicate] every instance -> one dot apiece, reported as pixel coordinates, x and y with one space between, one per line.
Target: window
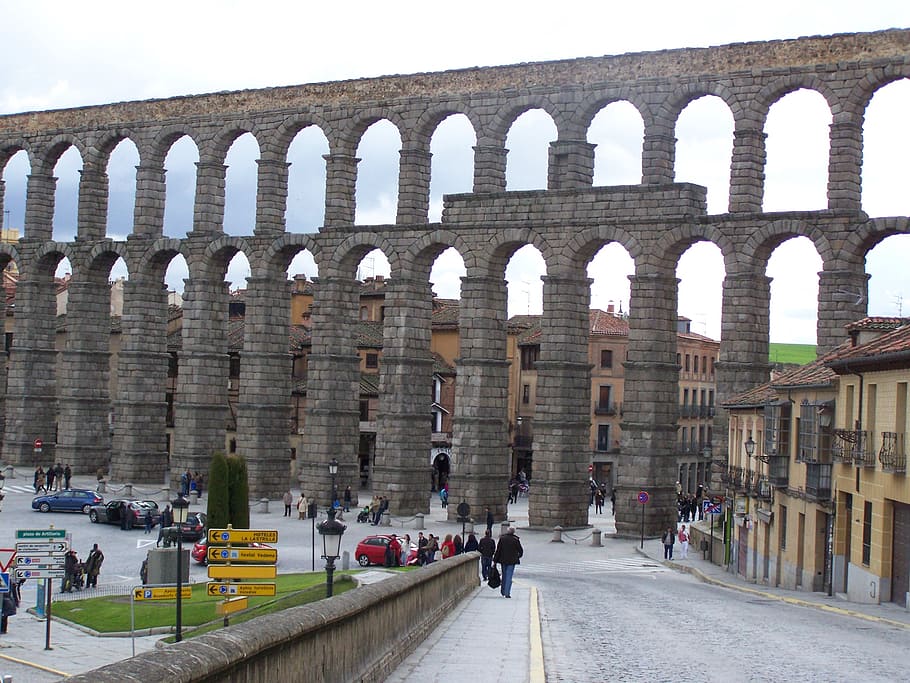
372 360
603 399
364 313
777 429
815 432
234 367
712 366
685 436
678 359
867 533
529 356
526 393
364 410
695 365
704 365
603 437
783 527
606 358
687 362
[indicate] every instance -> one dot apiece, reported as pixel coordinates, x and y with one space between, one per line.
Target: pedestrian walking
11 601
405 549
301 507
683 536
347 499
58 477
166 520
67 476
40 480
508 554
486 547
149 522
50 477
613 501
471 544
93 566
287 499
459 544
668 539
489 519
447 547
599 502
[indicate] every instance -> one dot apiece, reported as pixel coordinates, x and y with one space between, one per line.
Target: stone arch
674 243
166 138
672 107
348 254
866 236
778 88
8 254
278 256
857 101
156 259
424 250
583 246
55 149
216 149
498 251
46 258
11 148
592 105
769 236
279 142
108 142
352 133
99 261
224 248
422 132
510 111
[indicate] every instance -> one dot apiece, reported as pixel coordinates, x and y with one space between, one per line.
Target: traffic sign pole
643 498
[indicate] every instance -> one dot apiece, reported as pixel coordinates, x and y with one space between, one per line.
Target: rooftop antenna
898 299
369 261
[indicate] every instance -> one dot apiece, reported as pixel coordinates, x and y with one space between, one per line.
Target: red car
371 550
200 550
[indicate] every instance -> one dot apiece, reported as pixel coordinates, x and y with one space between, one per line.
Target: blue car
71 500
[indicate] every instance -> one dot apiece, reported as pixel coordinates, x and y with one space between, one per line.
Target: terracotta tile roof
445 312
888 349
814 374
877 322
603 323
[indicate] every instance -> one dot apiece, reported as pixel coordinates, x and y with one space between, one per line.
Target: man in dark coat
508 554
486 547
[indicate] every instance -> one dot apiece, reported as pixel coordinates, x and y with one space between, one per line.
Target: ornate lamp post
180 505
750 446
333 470
331 531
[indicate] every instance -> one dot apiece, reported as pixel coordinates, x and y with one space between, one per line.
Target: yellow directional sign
240 588
217 555
162 593
242 571
243 536
232 605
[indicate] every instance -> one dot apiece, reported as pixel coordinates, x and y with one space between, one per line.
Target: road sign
216 554
242 571
4 582
39 548
40 573
40 533
232 605
643 497
243 536
240 588
39 444
712 508
162 593
27 562
6 558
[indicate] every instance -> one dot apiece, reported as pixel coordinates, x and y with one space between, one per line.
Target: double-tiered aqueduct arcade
655 221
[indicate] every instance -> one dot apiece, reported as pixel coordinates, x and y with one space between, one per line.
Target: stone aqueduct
656 221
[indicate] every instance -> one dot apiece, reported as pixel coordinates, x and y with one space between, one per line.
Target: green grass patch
111 614
799 354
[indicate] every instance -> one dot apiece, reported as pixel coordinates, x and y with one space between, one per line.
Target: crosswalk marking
16 488
628 565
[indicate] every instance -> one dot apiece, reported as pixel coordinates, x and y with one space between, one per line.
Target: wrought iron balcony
763 491
608 408
737 477
853 446
893 453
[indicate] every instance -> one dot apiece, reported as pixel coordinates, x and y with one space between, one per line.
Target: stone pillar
340 188
201 404
31 391
743 359
480 462
84 405
490 168
265 385
3 371
658 155
208 210
562 423
747 171
571 165
332 418
650 407
92 211
39 208
845 165
843 297
140 411
404 431
271 197
148 215
414 186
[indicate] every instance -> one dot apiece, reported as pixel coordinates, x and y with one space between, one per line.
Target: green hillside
800 354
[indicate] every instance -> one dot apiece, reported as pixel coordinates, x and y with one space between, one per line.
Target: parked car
109 513
371 550
200 549
71 500
193 530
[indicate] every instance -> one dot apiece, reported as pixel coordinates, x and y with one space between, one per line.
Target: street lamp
180 506
331 530
333 470
750 446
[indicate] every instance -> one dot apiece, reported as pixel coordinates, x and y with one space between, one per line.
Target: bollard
557 535
386 519
10 472
418 521
595 538
504 527
127 490
345 560
165 494
102 486
194 497
264 502
469 527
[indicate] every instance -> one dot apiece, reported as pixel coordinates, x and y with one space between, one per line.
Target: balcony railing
818 481
695 411
893 453
609 408
853 446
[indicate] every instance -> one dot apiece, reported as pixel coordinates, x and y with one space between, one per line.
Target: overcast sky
63 54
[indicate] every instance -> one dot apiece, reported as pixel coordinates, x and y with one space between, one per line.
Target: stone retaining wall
361 635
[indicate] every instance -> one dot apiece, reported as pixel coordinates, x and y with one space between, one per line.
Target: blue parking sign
4 582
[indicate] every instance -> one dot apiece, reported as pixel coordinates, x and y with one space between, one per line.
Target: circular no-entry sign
643 497
38 444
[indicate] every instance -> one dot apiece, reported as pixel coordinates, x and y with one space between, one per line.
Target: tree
219 507
238 492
